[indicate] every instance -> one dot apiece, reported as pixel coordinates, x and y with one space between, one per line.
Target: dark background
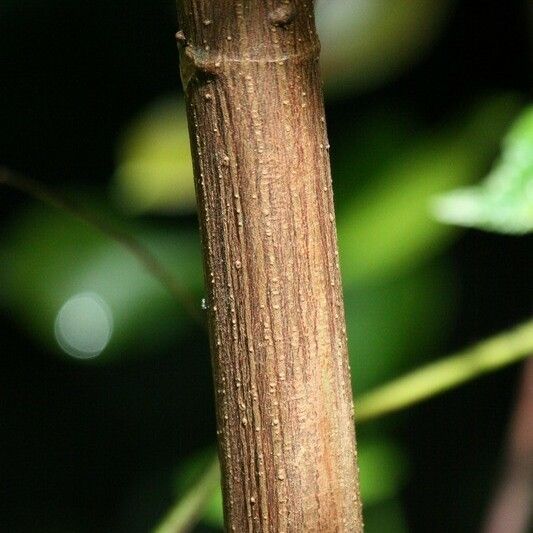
96 447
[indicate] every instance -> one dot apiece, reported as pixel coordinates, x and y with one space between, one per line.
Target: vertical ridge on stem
278 338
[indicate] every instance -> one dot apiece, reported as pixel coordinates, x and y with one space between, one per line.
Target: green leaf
504 201
385 517
213 513
387 228
382 470
390 327
154 167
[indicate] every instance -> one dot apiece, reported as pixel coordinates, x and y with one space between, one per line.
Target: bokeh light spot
84 325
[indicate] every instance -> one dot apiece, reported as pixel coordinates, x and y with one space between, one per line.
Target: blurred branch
510 511
449 372
189 508
437 377
147 259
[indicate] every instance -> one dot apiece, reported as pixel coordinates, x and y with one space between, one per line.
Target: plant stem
145 257
502 349
261 163
437 377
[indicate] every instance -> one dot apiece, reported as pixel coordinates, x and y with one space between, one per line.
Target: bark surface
278 339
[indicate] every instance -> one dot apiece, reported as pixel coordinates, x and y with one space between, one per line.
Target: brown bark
261 163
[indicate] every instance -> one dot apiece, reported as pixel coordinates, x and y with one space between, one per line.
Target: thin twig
189 509
434 378
487 356
148 260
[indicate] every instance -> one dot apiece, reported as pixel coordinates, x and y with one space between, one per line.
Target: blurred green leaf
192 469
49 257
387 228
213 515
192 475
365 152
382 470
198 482
385 517
154 167
365 42
504 201
390 325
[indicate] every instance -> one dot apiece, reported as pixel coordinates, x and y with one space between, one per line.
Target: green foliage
386 228
192 470
388 323
53 257
386 517
190 475
154 167
504 201
382 470
213 512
